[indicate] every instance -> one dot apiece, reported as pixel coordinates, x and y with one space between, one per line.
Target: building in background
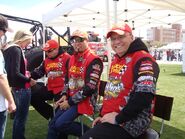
165 35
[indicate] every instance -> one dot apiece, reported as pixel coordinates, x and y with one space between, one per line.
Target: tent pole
115 11
108 41
43 43
183 53
107 14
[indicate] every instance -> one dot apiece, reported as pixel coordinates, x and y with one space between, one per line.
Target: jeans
22 99
63 124
3 118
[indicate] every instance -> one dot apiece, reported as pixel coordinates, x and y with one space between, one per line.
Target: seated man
55 68
128 100
85 69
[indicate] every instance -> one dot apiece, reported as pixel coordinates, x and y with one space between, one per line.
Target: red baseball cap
50 44
119 29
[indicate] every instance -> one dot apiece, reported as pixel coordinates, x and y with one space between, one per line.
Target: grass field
171 82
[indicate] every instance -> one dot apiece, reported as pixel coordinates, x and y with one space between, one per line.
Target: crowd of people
167 55
73 83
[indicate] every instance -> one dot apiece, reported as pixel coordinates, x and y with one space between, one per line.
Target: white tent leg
183 53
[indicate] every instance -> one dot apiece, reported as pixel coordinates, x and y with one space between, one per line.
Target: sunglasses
77 40
49 51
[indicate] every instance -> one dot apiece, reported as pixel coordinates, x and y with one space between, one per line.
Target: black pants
40 96
106 131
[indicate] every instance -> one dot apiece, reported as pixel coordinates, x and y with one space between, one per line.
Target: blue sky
33 9
24 3
20 3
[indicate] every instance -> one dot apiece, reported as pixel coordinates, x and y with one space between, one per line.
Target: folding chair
100 94
163 108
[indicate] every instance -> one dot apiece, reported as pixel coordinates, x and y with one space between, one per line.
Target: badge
80 83
72 84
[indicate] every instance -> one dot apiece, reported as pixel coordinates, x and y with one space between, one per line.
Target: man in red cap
55 68
85 69
129 93
5 93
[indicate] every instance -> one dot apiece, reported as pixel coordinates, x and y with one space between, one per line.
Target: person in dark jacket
55 67
129 93
19 79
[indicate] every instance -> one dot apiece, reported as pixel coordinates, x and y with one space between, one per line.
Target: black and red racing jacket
84 74
131 88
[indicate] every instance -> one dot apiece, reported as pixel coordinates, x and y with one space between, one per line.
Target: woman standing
19 80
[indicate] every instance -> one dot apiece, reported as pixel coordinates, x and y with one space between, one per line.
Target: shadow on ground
178 74
169 132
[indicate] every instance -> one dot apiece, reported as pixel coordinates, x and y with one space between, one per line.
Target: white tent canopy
102 13
93 13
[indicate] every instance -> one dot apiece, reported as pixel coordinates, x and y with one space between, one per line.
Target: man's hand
109 117
62 99
96 121
32 82
64 105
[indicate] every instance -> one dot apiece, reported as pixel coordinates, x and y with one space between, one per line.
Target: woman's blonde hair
22 35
